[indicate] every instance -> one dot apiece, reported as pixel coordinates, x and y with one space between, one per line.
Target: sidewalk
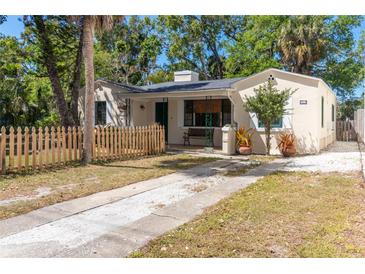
117 222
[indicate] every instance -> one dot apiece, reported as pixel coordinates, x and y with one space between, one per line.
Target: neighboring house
186 102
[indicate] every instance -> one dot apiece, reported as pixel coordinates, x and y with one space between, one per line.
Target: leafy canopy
268 102
322 46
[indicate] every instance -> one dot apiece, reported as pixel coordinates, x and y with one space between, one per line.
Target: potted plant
243 137
287 144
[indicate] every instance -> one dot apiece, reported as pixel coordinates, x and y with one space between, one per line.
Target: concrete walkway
117 222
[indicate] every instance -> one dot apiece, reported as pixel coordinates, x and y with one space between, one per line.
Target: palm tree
302 42
91 23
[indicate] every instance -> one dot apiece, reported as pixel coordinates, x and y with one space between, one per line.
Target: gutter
177 94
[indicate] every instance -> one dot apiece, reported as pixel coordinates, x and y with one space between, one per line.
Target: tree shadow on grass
11 174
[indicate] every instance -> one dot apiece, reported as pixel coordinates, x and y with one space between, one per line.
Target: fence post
154 139
142 141
79 142
119 142
129 142
46 146
74 143
26 147
137 141
64 145
127 134
53 140
159 139
11 148
19 146
34 148
98 150
102 151
134 143
40 148
107 142
58 145
124 142
111 136
146 140
3 151
93 147
164 140
69 143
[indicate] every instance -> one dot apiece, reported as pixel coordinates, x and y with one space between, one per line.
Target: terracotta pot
289 151
243 150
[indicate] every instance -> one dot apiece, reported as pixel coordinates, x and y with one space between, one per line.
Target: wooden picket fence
42 148
345 131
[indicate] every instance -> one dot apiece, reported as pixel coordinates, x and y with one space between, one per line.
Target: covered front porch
192 119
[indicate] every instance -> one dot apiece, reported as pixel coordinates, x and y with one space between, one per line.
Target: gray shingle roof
129 88
191 86
179 86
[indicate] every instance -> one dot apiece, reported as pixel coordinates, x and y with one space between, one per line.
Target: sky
14 27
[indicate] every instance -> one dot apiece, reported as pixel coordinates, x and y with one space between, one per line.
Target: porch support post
208 122
165 114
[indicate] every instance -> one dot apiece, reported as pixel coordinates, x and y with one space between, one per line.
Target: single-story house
186 103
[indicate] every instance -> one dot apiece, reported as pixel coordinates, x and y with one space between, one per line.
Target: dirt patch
199 188
38 193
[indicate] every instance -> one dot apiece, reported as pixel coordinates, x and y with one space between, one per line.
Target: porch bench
197 133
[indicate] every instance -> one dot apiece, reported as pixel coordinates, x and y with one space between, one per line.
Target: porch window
206 113
278 123
100 113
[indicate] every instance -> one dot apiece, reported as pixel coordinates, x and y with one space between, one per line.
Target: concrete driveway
338 157
117 222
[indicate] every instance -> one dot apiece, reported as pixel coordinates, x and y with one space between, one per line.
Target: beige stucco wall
304 120
142 112
112 95
328 132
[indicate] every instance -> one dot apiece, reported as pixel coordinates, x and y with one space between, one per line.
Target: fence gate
345 131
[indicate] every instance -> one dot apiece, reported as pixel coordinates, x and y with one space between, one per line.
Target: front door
161 116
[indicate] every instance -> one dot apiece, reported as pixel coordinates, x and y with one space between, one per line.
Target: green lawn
282 215
71 182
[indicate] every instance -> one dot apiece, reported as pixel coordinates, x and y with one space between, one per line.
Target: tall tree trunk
50 63
75 84
88 51
268 138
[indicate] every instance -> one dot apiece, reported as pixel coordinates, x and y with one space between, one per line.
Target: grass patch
286 214
78 181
